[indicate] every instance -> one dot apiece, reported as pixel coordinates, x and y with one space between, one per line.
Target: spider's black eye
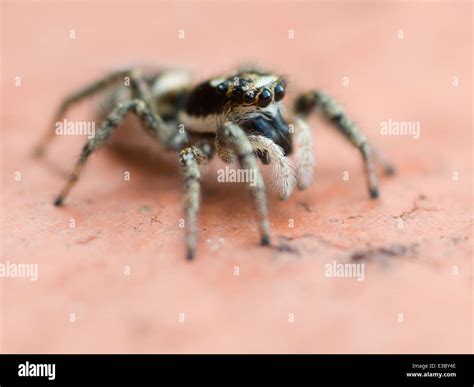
265 98
222 87
249 96
279 92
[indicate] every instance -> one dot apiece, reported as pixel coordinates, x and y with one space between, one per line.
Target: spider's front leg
231 137
153 123
191 158
334 113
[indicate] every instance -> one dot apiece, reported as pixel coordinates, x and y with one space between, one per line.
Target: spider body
240 117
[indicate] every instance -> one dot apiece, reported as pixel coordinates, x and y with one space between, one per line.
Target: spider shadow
218 200
153 163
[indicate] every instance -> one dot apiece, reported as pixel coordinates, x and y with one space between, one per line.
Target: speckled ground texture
415 242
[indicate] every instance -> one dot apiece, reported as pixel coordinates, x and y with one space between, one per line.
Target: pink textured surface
135 223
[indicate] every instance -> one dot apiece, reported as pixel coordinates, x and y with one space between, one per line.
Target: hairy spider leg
334 113
231 135
191 158
283 175
140 90
305 161
74 98
153 123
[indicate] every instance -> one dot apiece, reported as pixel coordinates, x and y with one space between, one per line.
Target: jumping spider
241 117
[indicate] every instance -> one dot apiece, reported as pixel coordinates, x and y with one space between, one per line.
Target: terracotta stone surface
415 242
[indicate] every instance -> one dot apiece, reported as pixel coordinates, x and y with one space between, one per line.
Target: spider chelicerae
240 117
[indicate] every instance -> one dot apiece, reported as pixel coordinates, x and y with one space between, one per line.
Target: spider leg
334 113
173 139
153 124
87 91
232 136
191 158
305 161
283 175
140 90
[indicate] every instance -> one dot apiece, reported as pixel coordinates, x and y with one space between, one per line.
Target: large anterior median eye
265 98
249 96
279 92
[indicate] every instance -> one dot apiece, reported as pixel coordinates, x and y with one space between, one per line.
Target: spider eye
249 96
222 87
265 98
279 92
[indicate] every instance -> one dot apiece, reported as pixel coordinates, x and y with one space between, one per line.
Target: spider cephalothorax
240 117
250 99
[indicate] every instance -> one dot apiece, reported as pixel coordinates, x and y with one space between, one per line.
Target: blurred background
112 275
